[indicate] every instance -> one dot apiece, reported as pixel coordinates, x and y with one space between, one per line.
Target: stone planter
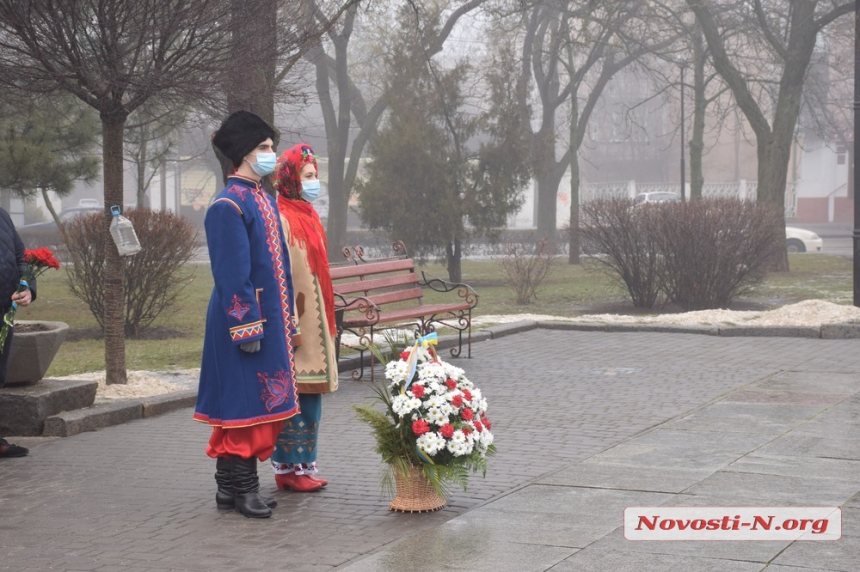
33 348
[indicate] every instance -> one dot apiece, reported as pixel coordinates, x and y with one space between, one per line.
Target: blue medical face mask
310 190
265 164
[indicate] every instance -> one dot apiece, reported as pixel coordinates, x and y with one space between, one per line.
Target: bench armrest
357 304
464 291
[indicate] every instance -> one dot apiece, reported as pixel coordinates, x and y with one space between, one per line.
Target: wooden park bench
386 294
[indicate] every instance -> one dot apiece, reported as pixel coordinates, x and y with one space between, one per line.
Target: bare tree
151 136
572 50
783 34
268 38
114 55
343 100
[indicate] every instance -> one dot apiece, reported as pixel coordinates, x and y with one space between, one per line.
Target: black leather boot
225 498
246 487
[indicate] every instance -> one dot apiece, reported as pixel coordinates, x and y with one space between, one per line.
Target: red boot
310 470
298 483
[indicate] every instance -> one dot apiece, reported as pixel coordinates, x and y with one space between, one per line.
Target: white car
799 240
656 197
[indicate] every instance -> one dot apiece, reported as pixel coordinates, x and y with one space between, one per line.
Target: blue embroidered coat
252 300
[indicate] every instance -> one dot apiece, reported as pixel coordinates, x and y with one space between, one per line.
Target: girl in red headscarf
296 178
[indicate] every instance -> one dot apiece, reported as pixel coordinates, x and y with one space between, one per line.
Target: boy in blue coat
247 376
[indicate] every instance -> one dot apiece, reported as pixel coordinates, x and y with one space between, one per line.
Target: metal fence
744 190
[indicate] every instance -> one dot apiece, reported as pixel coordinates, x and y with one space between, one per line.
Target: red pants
246 442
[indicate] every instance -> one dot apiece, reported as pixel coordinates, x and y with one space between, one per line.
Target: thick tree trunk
114 286
454 255
251 78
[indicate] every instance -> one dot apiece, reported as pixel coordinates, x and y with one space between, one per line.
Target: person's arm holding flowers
24 295
31 264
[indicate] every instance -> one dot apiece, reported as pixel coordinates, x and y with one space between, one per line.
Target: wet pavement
586 424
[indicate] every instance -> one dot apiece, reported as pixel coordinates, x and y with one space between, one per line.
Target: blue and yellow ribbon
430 339
423 456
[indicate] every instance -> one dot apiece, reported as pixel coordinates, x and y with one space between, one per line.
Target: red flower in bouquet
467 414
37 261
417 390
446 430
451 384
457 401
420 427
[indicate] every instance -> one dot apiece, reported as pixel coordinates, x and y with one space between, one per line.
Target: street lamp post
683 136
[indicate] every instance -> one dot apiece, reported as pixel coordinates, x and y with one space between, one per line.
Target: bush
620 235
527 266
715 250
699 255
151 284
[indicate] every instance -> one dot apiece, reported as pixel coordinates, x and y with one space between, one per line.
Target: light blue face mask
310 190
265 164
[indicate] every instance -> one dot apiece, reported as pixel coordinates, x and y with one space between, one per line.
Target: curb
70 423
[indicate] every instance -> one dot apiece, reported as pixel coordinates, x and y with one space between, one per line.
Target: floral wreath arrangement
37 261
434 419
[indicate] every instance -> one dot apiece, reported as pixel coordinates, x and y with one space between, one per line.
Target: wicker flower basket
415 493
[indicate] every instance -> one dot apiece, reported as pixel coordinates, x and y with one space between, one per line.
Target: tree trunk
573 230
700 104
114 294
141 168
162 172
251 78
454 258
773 159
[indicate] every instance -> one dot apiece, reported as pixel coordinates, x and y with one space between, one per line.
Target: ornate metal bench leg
360 370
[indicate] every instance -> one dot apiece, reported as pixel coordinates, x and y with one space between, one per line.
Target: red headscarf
306 229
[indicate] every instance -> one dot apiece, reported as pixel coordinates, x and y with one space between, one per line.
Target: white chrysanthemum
436 416
403 404
432 371
486 438
395 371
436 387
436 401
459 445
430 442
479 406
454 372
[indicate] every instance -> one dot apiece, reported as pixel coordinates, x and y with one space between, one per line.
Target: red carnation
467 394
487 423
457 401
451 384
418 390
404 355
467 414
478 426
466 430
41 257
420 427
447 430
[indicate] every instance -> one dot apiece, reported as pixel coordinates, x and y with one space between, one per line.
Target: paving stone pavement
586 423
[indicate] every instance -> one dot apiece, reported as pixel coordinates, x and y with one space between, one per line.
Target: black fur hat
240 134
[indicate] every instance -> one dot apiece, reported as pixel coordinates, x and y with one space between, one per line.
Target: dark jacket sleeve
19 257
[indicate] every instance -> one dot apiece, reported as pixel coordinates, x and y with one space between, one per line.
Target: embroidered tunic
252 300
316 364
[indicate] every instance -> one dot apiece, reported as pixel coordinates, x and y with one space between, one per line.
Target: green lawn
570 290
